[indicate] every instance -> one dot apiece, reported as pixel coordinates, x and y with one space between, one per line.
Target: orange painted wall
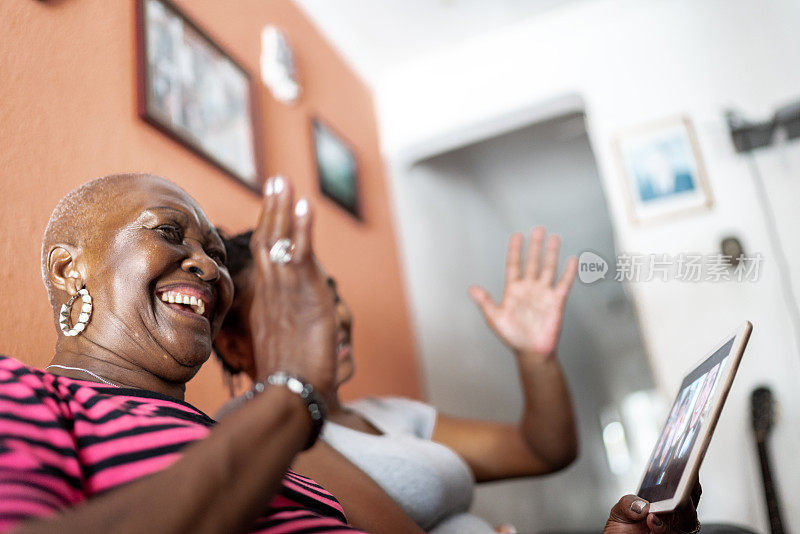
68 114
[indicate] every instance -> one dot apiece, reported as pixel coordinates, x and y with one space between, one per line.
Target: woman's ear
63 269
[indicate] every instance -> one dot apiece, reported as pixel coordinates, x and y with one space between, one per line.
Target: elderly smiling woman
135 274
102 440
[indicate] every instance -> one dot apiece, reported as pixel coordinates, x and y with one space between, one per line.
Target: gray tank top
429 481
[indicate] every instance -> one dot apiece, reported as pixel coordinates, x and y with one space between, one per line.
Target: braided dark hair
237 259
238 248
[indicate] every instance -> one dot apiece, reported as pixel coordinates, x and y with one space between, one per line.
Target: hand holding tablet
679 451
632 515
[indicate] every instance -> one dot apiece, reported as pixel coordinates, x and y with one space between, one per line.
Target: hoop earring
83 318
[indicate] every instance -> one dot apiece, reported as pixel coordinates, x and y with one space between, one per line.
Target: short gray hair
72 223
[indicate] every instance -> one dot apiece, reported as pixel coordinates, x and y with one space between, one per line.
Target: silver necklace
100 378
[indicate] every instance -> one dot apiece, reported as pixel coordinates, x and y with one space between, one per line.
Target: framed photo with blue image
337 169
663 170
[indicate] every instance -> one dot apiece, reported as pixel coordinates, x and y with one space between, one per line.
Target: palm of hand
529 317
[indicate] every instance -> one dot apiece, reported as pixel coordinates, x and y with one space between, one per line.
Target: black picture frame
337 167
195 92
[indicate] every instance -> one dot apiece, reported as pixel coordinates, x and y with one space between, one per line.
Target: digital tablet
683 442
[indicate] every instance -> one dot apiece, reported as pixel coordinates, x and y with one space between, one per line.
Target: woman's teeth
173 297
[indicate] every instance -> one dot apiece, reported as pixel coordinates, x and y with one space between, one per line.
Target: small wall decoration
192 90
336 167
663 170
278 71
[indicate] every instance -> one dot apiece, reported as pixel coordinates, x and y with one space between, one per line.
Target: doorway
456 211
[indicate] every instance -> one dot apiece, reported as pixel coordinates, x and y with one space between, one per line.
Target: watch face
278 71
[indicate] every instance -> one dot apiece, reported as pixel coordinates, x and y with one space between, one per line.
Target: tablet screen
687 416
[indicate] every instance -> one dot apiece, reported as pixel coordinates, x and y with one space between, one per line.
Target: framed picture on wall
195 92
663 170
337 171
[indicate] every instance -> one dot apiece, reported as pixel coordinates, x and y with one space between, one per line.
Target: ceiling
376 35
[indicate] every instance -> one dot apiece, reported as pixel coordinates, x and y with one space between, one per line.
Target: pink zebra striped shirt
63 441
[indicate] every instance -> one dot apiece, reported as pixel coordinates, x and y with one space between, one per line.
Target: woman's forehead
164 196
149 191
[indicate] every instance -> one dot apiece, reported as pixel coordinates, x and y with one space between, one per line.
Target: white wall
464 205
631 61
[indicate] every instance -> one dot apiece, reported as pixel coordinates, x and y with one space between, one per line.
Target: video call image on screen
686 418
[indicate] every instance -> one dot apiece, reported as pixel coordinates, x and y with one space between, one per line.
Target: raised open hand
292 317
529 317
